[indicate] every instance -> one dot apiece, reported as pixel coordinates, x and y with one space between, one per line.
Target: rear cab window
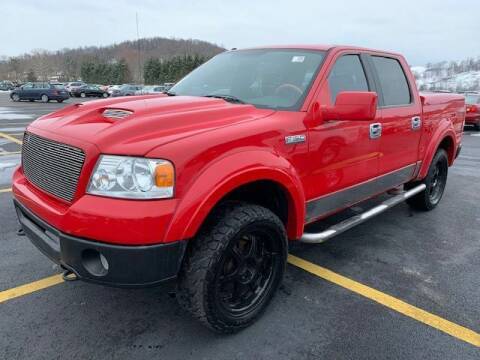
395 89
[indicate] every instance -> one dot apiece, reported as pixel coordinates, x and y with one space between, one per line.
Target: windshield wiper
229 98
169 93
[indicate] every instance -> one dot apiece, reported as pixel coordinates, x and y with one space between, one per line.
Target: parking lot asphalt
430 261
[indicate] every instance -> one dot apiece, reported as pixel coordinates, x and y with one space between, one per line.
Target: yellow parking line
5 190
400 306
4 153
30 288
11 138
390 302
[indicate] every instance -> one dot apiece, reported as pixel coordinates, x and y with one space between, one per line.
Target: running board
316 238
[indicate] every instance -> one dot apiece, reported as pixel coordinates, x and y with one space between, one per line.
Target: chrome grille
52 166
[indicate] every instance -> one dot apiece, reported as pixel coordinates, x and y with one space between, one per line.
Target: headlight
132 177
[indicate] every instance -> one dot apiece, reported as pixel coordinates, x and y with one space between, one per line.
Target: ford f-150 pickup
207 183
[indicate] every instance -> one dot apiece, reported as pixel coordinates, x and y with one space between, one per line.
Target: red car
207 183
473 110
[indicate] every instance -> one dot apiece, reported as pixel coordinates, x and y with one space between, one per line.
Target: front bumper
59 97
107 264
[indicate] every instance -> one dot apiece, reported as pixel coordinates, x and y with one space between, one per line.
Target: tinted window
392 81
347 75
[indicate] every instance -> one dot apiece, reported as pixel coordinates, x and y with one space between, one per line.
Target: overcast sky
423 30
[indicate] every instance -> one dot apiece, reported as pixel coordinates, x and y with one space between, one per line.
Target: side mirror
352 105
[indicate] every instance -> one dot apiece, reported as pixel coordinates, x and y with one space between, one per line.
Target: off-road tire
205 258
424 200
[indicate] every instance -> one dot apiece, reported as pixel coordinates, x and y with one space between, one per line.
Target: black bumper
107 264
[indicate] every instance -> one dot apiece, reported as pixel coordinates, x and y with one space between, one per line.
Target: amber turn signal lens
164 175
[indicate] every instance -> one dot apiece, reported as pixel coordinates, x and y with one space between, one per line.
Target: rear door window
393 81
347 75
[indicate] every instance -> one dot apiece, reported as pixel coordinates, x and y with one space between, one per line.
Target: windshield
472 99
267 78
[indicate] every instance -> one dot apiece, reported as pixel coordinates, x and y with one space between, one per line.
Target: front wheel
44 98
233 267
105 95
435 182
83 95
16 97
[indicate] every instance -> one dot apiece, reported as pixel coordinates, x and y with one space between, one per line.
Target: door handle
375 130
416 122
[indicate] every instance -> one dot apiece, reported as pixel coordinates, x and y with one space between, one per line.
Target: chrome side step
316 238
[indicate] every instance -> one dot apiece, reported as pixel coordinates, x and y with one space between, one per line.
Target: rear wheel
476 127
83 95
435 182
233 267
105 95
44 98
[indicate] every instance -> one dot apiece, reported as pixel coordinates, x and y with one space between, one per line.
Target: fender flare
229 173
440 135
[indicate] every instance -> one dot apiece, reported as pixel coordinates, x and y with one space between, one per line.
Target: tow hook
20 232
69 276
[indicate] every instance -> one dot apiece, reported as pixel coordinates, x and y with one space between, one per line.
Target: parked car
151 89
89 91
39 91
208 182
126 90
71 86
473 110
6 86
168 86
113 87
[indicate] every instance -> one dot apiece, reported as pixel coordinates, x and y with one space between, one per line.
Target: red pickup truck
473 110
208 182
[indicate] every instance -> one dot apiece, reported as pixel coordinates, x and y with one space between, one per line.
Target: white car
74 85
150 89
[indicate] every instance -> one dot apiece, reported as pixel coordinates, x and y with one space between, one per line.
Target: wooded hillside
66 64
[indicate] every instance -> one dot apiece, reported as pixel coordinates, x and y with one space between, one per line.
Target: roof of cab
321 47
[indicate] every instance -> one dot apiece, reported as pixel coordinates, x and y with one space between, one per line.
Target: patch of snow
443 76
7 114
12 129
13 116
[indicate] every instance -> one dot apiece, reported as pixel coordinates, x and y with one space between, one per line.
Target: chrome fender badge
294 139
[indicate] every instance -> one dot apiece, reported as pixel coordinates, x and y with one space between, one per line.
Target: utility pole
140 75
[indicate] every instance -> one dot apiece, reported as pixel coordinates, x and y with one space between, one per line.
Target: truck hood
136 125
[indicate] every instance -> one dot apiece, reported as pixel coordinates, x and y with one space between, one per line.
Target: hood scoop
116 114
